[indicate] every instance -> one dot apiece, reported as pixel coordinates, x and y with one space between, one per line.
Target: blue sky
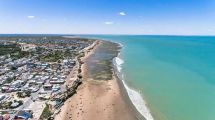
168 17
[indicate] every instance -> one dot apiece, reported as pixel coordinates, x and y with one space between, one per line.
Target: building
23 115
27 47
56 81
2 97
47 87
17 84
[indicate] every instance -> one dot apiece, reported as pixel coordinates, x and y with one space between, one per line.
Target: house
56 81
31 65
5 88
17 84
2 97
34 89
44 97
47 87
40 82
23 115
55 88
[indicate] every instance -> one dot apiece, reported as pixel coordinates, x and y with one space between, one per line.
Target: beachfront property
36 70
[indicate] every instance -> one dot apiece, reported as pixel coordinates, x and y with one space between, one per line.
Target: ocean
173 75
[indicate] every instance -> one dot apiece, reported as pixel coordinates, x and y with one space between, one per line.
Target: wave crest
134 96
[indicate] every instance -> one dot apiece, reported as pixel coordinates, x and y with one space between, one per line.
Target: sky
146 17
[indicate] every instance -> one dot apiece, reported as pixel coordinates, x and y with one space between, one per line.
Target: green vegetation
46 113
68 53
57 55
20 54
8 49
23 94
7 104
13 68
40 50
53 57
13 50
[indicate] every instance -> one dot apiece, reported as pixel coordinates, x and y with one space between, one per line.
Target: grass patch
46 113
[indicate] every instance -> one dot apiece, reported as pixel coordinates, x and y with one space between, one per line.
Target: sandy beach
96 99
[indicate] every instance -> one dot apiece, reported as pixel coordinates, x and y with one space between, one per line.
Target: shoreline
111 89
113 98
142 113
96 99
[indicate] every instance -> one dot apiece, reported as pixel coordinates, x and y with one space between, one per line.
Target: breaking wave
134 96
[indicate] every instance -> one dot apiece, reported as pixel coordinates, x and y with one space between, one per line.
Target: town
38 73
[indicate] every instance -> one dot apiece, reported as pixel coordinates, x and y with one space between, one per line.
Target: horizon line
102 34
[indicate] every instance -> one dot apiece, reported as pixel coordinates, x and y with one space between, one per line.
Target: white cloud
31 17
109 23
122 13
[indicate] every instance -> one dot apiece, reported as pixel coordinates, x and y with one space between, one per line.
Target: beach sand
96 99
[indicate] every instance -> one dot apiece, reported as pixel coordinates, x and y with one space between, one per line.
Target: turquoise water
175 75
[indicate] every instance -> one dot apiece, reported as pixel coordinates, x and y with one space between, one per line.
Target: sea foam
119 62
134 96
